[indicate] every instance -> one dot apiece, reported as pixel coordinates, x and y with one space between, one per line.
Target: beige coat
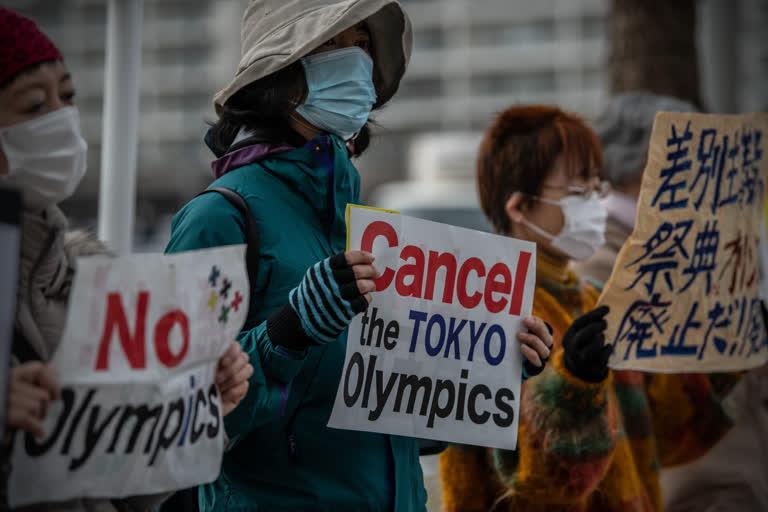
48 255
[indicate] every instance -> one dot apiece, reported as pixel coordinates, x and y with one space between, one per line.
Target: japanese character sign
684 288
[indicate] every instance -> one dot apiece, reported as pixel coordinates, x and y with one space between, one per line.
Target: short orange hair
519 151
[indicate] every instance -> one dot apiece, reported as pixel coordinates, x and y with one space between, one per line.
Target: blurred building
190 50
471 59
474 58
733 55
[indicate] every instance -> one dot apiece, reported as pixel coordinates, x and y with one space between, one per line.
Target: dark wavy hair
264 107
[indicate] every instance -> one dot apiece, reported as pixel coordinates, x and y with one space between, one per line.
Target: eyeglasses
603 189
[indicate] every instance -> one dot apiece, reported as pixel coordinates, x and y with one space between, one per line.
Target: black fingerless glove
585 352
320 307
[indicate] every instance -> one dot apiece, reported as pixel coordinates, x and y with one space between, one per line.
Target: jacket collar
244 156
320 171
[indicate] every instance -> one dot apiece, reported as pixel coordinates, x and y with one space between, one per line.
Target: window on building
510 34
420 88
428 38
514 83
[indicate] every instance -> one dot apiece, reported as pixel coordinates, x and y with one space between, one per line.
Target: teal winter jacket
282 456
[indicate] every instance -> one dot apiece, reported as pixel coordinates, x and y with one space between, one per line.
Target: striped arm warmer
320 307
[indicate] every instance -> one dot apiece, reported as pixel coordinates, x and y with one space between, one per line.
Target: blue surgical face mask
341 92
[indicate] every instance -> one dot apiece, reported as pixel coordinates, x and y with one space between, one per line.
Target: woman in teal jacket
289 122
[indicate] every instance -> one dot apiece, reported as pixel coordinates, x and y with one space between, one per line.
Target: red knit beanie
22 44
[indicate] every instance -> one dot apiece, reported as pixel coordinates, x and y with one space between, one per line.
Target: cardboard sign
436 354
139 413
684 289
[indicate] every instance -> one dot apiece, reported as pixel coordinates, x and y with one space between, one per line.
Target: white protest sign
139 413
436 354
684 290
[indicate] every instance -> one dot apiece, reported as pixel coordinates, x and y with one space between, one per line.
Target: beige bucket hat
277 33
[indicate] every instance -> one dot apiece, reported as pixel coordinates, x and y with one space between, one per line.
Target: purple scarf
245 156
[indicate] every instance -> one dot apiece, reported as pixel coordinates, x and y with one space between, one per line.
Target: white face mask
46 157
584 229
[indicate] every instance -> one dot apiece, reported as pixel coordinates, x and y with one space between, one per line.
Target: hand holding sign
32 386
331 293
364 273
535 344
232 374
586 354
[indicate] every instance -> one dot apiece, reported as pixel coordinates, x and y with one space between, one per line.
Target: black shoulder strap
252 261
250 229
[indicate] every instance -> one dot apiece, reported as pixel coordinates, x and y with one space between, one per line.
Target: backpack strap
252 261
250 230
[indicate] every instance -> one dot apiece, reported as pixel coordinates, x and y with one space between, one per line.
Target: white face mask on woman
46 157
584 229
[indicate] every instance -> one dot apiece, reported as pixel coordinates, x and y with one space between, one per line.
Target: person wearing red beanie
42 153
23 45
41 150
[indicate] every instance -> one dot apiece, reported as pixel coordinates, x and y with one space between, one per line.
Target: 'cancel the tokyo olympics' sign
436 355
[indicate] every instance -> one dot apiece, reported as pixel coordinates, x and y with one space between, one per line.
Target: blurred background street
471 59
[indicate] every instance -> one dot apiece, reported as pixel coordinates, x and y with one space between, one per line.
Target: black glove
320 307
585 352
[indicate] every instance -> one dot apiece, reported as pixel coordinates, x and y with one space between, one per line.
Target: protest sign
436 354
684 290
139 412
